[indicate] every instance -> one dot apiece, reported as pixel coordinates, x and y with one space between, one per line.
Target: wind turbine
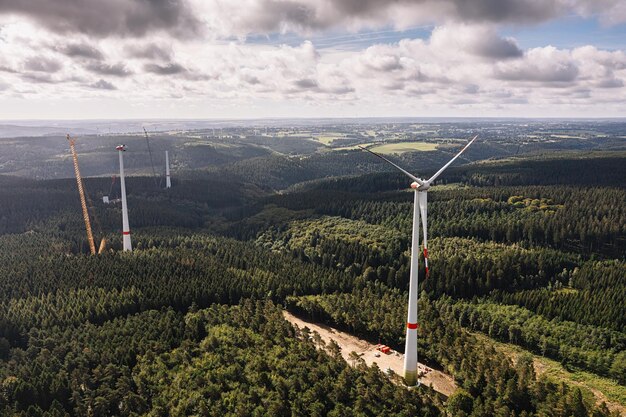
125 227
420 186
168 180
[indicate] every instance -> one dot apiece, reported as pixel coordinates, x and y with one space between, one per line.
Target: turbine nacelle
420 187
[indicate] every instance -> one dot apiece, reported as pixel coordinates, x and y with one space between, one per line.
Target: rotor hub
417 187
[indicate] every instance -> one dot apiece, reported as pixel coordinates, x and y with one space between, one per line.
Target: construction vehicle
84 200
384 349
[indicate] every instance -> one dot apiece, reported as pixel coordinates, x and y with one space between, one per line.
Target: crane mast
154 176
83 203
83 200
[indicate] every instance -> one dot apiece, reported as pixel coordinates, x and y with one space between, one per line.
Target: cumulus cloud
449 70
610 83
306 84
545 65
103 85
244 17
481 41
7 68
377 61
149 51
461 65
42 64
191 19
38 78
167 69
80 50
118 69
108 17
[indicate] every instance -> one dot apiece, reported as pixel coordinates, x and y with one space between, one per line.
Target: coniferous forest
527 255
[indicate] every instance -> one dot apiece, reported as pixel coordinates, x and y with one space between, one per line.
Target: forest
526 251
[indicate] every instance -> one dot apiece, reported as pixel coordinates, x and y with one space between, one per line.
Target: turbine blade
423 203
408 174
443 168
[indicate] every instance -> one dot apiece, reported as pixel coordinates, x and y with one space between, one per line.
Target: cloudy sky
80 59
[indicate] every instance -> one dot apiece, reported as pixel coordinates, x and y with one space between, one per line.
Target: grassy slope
604 389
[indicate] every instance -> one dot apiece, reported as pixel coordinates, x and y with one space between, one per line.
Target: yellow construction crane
83 202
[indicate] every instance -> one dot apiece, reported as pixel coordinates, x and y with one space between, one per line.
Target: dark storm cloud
168 69
103 18
103 85
80 50
149 51
41 64
118 70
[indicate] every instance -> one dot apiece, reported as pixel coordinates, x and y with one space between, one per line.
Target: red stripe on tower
411 326
425 253
126 233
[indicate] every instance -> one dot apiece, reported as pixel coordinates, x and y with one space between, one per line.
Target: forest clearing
440 382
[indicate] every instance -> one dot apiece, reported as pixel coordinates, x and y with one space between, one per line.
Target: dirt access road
441 382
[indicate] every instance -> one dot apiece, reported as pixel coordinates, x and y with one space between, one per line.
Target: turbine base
410 378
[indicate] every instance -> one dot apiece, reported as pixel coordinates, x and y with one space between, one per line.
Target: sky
239 59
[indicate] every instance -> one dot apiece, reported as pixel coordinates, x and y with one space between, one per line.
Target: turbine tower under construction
125 227
168 181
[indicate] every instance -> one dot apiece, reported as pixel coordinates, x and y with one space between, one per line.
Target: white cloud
102 85
103 18
461 68
548 66
482 41
225 18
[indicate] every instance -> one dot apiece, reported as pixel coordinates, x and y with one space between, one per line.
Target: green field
328 137
327 140
402 147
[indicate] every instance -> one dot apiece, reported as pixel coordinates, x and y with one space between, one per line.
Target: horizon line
209 119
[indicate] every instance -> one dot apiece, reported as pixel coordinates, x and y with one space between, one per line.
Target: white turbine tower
125 227
168 181
421 187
